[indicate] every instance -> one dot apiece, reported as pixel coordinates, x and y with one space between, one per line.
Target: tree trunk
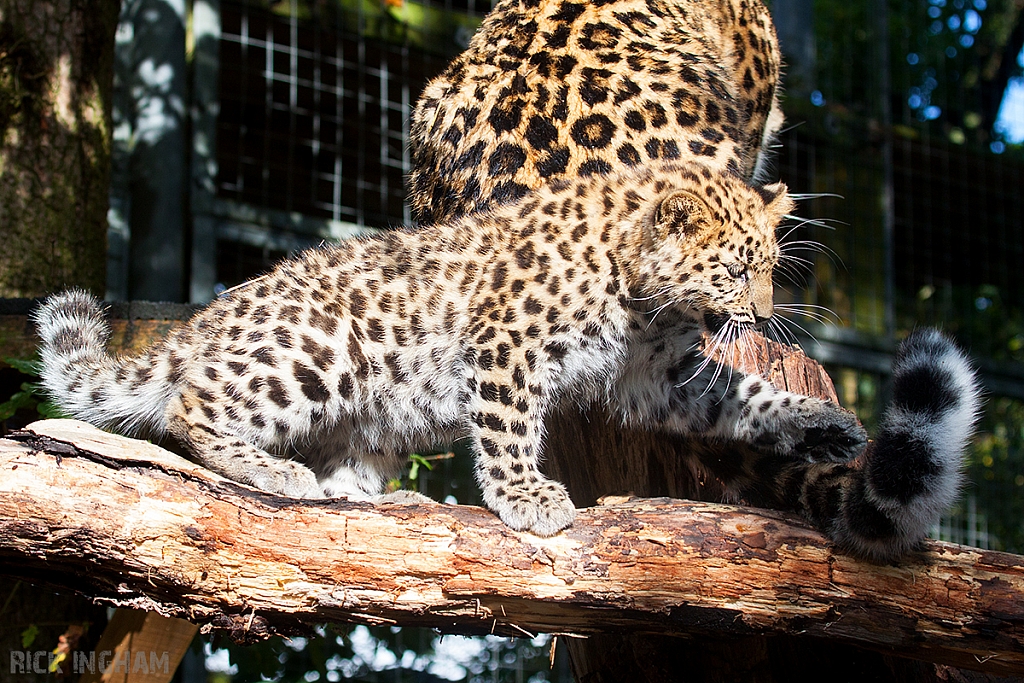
56 78
151 530
593 458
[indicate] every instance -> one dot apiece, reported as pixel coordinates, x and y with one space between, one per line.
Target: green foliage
29 395
930 63
986 318
404 22
411 480
858 391
28 636
992 322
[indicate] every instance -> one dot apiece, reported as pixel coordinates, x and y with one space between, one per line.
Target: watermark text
81 662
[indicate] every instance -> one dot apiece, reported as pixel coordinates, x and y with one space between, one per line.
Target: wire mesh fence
313 114
896 117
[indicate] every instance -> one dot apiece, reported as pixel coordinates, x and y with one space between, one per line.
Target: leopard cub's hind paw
284 478
403 497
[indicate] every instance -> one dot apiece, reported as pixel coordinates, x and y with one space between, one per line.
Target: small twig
523 631
439 456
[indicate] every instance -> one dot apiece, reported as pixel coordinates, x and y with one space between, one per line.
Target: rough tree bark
150 530
56 77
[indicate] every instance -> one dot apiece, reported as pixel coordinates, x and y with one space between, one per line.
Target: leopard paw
285 478
403 497
831 434
541 507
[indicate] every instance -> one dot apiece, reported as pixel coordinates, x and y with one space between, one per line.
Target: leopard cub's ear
682 213
776 198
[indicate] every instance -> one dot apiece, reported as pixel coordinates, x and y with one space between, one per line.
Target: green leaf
418 459
22 399
51 411
26 366
28 636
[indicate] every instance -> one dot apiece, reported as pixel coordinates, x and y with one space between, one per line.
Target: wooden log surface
134 525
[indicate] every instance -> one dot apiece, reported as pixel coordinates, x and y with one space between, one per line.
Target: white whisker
806 245
821 314
660 293
784 336
801 196
817 222
656 311
708 354
813 247
719 340
790 261
787 321
700 368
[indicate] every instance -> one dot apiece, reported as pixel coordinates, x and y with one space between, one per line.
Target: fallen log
134 525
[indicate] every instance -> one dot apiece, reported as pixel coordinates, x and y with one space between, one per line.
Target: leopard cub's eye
738 271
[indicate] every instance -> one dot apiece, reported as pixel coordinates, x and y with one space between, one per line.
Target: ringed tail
87 383
913 471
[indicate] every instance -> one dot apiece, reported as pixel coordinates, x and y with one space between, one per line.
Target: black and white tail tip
914 469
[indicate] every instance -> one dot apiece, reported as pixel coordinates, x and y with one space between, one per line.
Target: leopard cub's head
709 248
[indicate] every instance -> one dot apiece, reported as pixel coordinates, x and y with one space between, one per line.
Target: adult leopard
552 89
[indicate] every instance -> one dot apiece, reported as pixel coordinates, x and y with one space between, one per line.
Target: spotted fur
318 378
558 271
883 503
555 89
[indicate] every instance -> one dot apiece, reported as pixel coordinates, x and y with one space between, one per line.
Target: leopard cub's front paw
829 434
541 507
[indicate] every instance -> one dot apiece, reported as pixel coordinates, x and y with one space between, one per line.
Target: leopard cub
318 378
